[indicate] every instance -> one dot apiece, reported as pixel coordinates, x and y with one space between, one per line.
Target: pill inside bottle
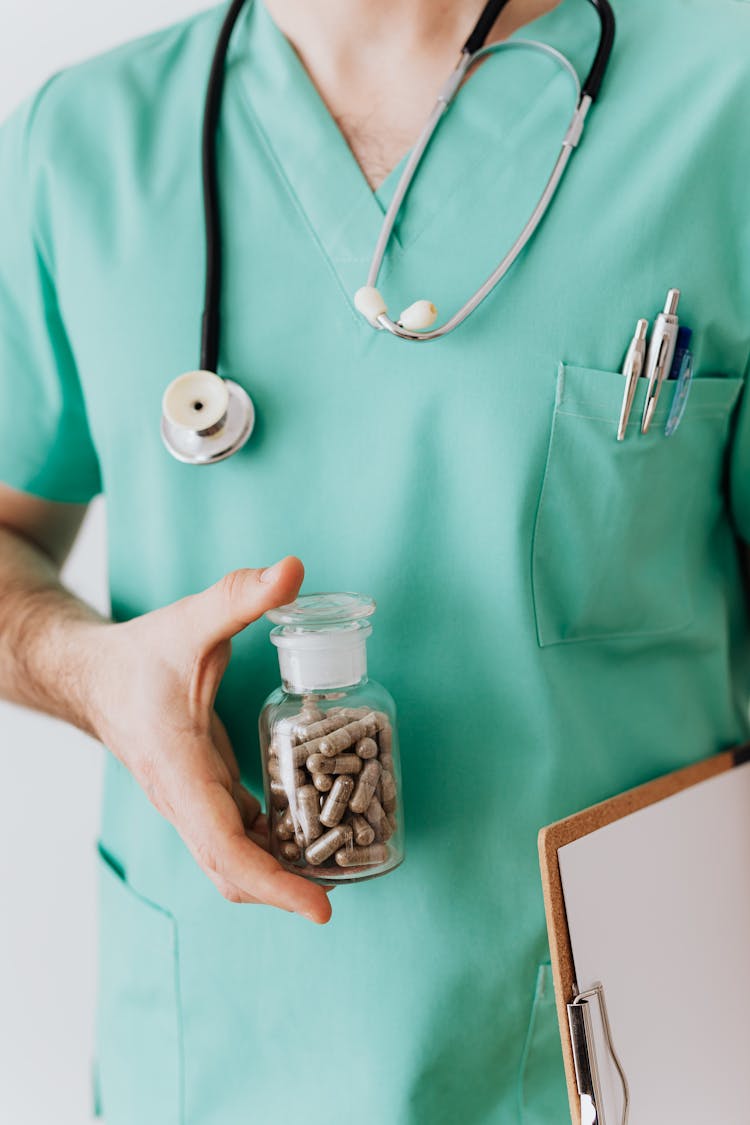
329 746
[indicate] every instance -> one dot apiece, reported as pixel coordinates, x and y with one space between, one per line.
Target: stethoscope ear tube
210 325
595 76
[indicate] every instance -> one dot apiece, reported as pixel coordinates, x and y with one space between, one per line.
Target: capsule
293 778
364 833
279 799
366 748
323 782
375 815
386 761
338 799
388 783
366 787
346 736
289 850
362 857
344 763
285 826
289 756
308 732
326 845
310 712
385 735
308 813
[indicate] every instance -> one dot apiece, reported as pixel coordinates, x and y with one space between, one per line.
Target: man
560 616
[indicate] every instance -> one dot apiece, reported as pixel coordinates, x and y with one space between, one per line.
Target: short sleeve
45 443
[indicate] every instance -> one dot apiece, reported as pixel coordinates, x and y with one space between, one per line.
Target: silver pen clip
632 370
660 354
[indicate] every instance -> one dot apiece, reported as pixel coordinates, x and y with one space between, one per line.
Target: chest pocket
621 527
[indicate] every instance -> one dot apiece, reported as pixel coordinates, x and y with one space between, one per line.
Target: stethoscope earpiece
205 418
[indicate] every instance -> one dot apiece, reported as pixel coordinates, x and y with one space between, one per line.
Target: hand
156 685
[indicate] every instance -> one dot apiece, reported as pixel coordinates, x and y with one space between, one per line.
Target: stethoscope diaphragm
205 418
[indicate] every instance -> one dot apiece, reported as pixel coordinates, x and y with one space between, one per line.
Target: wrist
92 675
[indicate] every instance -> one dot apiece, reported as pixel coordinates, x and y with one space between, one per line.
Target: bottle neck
318 661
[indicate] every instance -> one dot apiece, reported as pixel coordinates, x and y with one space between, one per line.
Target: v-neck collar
312 158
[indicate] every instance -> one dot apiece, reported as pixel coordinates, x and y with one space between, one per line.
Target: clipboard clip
584 1056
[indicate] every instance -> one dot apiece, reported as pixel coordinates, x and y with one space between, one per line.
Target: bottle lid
321 640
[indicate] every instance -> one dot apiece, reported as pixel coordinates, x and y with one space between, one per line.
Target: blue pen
682 372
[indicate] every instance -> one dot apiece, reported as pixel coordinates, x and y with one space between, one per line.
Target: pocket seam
109 866
542 982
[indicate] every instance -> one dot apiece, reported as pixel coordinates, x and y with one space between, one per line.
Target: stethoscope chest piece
205 418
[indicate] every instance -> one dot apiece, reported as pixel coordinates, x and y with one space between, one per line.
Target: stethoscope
205 417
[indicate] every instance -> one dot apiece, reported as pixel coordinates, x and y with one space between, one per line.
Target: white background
50 774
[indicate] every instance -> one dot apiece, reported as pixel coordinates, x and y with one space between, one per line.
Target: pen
660 354
682 372
632 369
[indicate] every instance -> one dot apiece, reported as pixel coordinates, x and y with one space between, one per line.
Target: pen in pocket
682 371
661 351
632 370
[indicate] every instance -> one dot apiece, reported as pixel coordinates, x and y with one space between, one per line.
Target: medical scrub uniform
560 616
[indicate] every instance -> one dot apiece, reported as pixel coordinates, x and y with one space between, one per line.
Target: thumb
241 597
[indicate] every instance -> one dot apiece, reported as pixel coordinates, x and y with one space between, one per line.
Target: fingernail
271 573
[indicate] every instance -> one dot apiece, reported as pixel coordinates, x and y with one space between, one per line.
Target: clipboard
703 811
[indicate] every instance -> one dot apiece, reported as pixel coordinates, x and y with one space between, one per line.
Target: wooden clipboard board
563 832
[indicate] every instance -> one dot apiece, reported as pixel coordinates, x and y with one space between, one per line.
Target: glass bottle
329 746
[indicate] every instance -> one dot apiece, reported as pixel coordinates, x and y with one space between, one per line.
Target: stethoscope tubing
211 320
472 51
572 136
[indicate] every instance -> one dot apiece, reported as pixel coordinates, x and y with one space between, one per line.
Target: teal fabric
560 616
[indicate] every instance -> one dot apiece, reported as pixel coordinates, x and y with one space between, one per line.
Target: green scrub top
560 616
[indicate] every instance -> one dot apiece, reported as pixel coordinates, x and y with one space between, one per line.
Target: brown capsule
311 712
388 783
366 786
285 826
386 761
308 732
289 756
350 713
289 850
291 777
375 815
346 736
393 822
337 800
366 748
344 763
385 735
364 833
326 845
323 782
279 799
308 813
362 857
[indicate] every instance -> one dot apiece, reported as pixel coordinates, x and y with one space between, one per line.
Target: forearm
48 637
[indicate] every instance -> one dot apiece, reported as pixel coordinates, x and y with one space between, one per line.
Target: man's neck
378 66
